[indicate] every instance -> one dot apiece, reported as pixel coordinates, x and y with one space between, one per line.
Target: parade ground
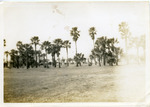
122 83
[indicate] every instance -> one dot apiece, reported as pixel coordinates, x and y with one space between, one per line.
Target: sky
51 20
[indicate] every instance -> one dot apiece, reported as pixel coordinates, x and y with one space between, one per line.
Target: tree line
104 50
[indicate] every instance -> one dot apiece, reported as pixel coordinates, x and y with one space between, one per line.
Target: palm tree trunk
52 59
59 62
117 60
99 62
27 60
6 60
35 56
117 53
18 62
39 58
93 44
76 46
104 60
46 61
94 55
55 61
67 56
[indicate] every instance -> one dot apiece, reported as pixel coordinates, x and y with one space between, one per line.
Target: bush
79 57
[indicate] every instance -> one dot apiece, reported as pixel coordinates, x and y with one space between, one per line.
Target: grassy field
75 84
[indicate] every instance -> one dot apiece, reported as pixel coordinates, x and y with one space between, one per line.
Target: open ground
124 83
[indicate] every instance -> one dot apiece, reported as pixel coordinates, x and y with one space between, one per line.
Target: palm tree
124 30
54 50
46 45
43 55
102 45
58 43
35 41
28 51
98 52
75 33
19 46
67 44
118 52
136 42
79 57
39 54
113 51
92 33
105 48
14 58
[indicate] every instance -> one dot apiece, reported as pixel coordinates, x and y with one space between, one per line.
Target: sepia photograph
75 51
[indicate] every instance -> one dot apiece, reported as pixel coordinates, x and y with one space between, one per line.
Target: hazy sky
53 20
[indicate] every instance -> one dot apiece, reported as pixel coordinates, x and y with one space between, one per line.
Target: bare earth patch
75 84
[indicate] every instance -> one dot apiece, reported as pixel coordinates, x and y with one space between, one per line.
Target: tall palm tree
28 51
75 33
125 34
136 42
98 52
124 30
54 50
102 46
67 44
92 33
19 46
39 54
14 58
22 60
43 55
46 45
35 41
58 44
